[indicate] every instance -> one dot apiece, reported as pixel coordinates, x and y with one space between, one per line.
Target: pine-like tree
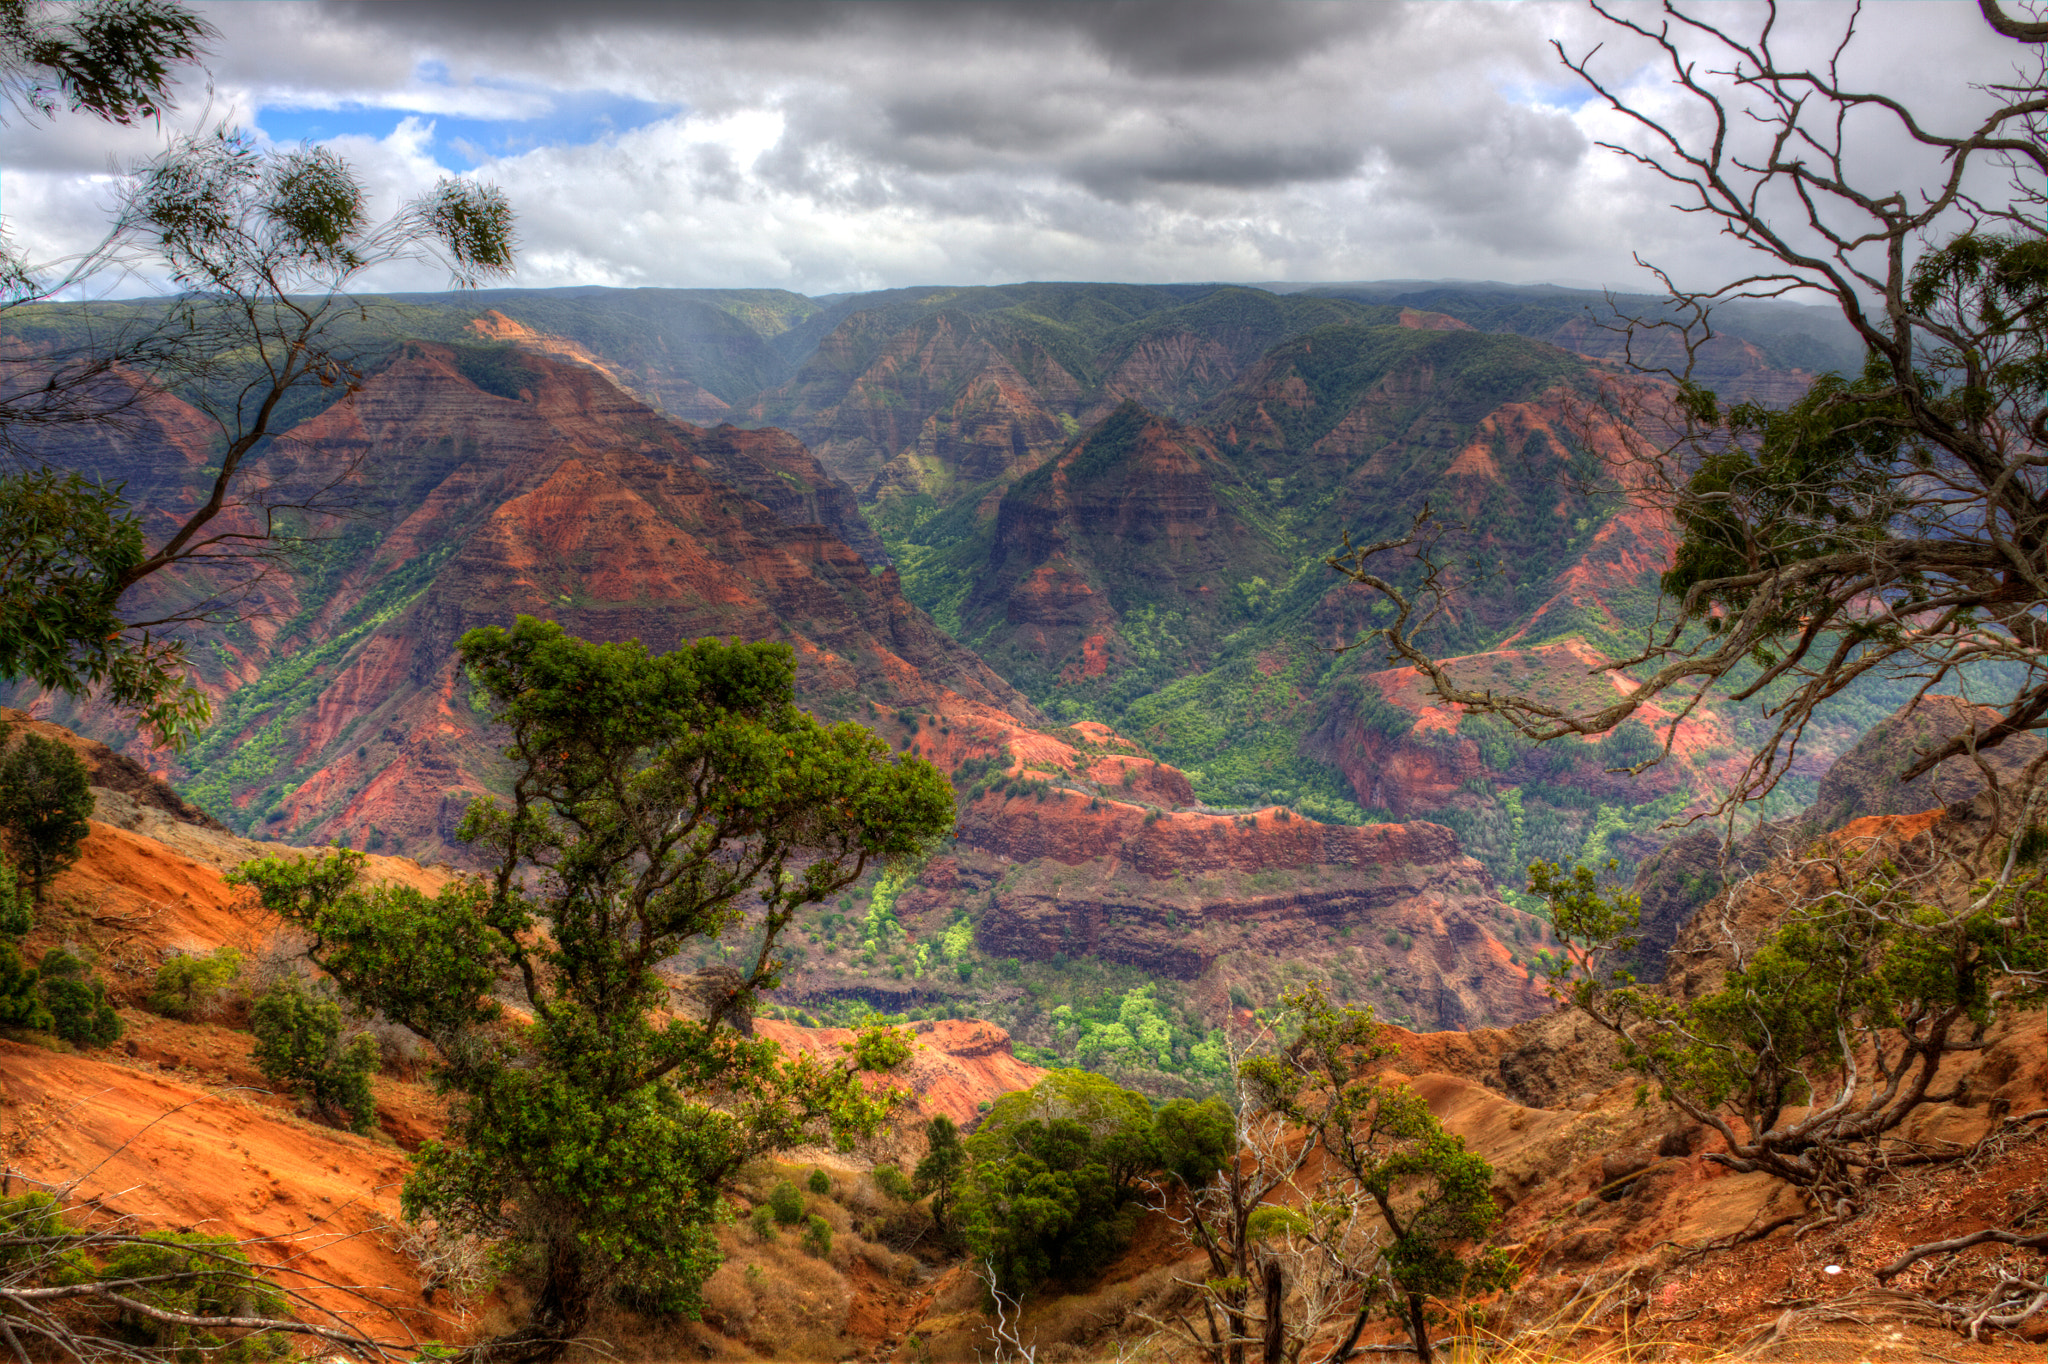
45 802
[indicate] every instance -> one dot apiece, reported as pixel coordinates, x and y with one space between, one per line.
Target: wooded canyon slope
1064 540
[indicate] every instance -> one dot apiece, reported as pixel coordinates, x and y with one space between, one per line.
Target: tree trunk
1233 1316
1276 1299
559 1313
1418 1328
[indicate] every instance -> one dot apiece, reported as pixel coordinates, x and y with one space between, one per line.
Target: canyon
1063 541
1065 544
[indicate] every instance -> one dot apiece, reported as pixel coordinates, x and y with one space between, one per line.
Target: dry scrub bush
730 1303
448 1262
892 1265
792 1303
1094 1318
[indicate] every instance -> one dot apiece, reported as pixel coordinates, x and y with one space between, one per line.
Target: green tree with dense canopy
46 803
21 1005
945 1160
300 1044
188 983
1053 1178
76 999
655 800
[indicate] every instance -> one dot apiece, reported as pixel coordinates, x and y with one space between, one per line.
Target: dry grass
1578 1332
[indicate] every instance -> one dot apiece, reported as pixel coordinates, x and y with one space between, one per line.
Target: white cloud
833 147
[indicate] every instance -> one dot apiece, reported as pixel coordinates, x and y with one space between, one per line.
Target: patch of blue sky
461 142
1543 95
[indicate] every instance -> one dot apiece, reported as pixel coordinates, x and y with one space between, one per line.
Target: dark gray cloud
460 20
1153 37
1210 37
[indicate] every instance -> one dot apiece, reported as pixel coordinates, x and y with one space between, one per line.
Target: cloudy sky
825 147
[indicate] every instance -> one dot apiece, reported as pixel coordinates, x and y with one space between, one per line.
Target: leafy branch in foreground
263 248
109 58
655 799
100 1294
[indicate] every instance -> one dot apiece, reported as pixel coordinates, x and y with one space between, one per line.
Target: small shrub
1239 998
820 1183
79 1010
299 1046
187 986
818 1237
764 1224
787 1201
894 1183
202 1277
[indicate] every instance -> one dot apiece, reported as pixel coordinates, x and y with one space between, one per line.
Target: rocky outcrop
1865 780
1863 783
670 393
1395 909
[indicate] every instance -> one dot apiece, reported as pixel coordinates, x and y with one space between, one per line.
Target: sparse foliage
1331 1194
1892 522
75 1285
109 58
263 248
1826 1036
